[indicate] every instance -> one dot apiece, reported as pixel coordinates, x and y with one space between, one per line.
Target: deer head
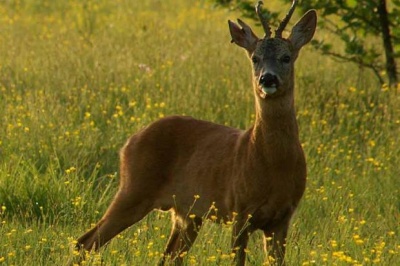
273 57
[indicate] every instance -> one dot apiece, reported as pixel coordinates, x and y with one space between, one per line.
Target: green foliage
360 26
77 78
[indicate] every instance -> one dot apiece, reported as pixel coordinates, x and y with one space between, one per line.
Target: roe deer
254 178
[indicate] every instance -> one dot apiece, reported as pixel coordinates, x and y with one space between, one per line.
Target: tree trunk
391 68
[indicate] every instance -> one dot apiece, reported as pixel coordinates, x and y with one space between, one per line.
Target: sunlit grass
78 77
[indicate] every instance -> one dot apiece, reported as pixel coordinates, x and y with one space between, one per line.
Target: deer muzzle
269 83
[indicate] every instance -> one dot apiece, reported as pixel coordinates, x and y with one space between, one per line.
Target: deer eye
255 60
285 59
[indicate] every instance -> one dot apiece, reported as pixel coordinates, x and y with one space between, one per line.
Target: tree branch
359 62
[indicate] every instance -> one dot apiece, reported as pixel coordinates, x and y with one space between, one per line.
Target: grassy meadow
77 78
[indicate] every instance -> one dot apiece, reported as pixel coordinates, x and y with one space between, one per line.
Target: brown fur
259 172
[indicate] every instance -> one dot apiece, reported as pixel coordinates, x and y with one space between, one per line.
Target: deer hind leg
122 213
183 234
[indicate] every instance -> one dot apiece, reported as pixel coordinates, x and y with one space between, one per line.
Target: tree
367 28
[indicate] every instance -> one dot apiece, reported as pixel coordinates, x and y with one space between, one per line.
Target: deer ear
304 30
244 36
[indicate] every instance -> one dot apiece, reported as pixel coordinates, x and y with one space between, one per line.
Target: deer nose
269 80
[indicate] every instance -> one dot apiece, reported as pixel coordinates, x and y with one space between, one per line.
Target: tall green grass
78 77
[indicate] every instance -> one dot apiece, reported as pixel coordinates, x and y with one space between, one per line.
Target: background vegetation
78 77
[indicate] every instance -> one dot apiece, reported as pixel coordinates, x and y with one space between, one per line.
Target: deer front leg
240 237
275 243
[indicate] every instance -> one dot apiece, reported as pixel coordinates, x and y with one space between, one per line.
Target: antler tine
263 21
284 22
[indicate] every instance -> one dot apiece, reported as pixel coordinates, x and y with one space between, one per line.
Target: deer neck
275 127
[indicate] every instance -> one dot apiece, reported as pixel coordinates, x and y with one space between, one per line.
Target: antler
282 25
263 21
